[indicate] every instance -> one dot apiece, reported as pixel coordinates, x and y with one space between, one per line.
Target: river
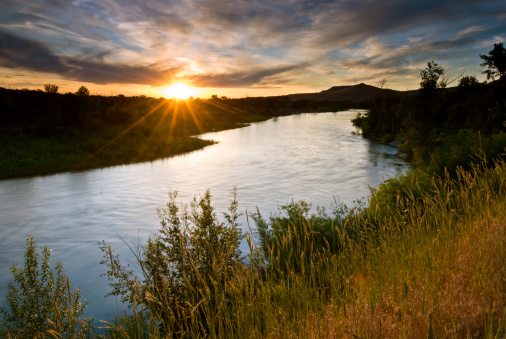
314 157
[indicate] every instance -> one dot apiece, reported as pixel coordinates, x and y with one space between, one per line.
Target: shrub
386 197
40 300
291 234
182 266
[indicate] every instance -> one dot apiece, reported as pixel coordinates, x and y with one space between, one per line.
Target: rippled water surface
309 156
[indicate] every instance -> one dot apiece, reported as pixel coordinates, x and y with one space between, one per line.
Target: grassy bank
428 262
25 156
39 139
432 268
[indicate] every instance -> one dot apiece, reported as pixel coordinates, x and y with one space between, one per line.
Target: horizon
189 97
259 48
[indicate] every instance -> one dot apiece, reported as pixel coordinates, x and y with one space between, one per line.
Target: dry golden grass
463 282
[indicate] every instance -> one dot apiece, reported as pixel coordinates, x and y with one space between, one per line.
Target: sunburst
180 90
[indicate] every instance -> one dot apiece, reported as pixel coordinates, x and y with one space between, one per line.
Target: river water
314 157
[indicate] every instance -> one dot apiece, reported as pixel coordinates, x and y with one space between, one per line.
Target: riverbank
432 266
117 133
28 155
44 133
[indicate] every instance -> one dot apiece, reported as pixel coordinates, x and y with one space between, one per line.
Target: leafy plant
40 301
181 265
292 233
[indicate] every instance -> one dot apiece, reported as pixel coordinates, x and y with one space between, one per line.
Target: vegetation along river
312 157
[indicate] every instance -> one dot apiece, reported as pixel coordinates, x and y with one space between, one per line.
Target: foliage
406 276
83 91
441 128
433 77
468 81
287 235
495 61
51 88
388 196
180 266
40 301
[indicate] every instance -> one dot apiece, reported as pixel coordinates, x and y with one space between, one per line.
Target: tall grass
435 268
430 264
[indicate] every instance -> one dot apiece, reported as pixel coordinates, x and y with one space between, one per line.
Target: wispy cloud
241 44
239 79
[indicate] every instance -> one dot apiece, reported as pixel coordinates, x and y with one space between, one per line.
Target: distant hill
355 93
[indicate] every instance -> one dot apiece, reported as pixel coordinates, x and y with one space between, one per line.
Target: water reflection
309 156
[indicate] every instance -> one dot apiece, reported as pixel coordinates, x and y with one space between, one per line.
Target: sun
180 90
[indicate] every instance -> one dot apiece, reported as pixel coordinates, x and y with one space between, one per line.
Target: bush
40 300
286 237
386 198
193 256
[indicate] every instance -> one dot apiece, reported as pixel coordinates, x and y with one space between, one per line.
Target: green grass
433 266
159 130
438 267
24 156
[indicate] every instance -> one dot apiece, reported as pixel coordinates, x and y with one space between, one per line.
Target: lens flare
180 90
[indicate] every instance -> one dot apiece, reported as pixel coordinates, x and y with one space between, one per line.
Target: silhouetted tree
433 77
495 61
468 81
51 88
83 91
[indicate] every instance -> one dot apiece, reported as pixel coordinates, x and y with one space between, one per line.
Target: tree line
444 127
47 112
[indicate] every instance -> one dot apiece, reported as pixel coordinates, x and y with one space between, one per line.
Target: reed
432 265
434 268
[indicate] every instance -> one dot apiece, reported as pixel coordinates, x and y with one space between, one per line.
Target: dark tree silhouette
433 77
495 61
51 88
468 81
83 91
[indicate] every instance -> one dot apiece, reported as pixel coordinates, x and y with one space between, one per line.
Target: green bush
387 196
181 266
40 301
292 233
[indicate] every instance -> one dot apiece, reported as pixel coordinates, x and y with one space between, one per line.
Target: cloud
244 43
32 55
102 73
238 79
469 30
16 51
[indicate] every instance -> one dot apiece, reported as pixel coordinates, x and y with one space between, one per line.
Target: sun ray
180 90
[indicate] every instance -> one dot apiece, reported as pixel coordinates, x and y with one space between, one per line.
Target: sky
240 48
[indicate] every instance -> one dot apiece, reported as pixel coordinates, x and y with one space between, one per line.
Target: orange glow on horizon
180 90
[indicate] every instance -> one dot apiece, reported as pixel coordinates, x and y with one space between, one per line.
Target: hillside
355 93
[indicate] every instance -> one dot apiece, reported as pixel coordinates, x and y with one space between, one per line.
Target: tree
468 81
40 301
83 91
382 83
433 77
51 88
495 61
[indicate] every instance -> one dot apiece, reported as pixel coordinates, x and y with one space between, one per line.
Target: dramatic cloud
239 79
19 52
245 44
16 52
